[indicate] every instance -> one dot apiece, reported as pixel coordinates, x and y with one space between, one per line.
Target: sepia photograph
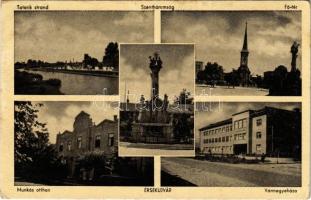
73 52
155 99
241 144
156 108
73 144
250 53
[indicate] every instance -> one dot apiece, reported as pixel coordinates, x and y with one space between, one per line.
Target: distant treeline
110 59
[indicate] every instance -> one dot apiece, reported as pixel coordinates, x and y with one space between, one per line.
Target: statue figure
155 67
294 51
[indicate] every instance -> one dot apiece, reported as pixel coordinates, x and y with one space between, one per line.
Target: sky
66 35
219 36
176 74
59 116
211 112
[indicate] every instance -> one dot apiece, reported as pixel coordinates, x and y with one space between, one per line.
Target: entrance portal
240 149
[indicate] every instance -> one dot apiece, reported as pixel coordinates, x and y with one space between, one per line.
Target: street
215 174
143 149
225 91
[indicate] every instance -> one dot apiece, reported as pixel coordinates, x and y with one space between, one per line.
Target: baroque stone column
155 67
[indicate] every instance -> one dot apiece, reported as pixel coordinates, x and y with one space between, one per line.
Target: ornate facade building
87 137
269 131
90 152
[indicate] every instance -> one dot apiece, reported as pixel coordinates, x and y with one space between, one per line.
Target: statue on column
294 52
155 67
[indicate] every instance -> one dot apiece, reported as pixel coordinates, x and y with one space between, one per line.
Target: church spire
245 39
244 52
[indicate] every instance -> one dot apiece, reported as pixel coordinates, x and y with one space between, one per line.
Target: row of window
79 142
242 123
227 149
240 136
218 130
219 149
216 140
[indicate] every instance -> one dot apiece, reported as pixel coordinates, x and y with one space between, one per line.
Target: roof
243 112
271 110
66 132
82 113
253 113
220 123
105 121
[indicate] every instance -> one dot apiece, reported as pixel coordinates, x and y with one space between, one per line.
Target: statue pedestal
153 132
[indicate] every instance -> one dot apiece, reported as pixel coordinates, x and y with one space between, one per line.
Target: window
223 129
258 135
223 139
97 141
236 124
244 123
61 147
227 138
258 147
230 127
258 122
240 124
110 140
79 142
69 145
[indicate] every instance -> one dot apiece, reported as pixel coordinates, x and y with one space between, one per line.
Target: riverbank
31 83
112 74
77 84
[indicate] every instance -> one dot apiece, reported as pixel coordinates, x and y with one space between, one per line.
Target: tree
30 135
34 156
214 72
184 97
111 57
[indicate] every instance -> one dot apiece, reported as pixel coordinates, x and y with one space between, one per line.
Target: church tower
244 51
243 71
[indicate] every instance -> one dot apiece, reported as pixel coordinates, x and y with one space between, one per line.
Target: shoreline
111 74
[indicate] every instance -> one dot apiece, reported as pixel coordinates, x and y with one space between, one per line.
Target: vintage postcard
155 99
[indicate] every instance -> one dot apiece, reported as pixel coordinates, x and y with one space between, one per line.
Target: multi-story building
269 131
87 137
